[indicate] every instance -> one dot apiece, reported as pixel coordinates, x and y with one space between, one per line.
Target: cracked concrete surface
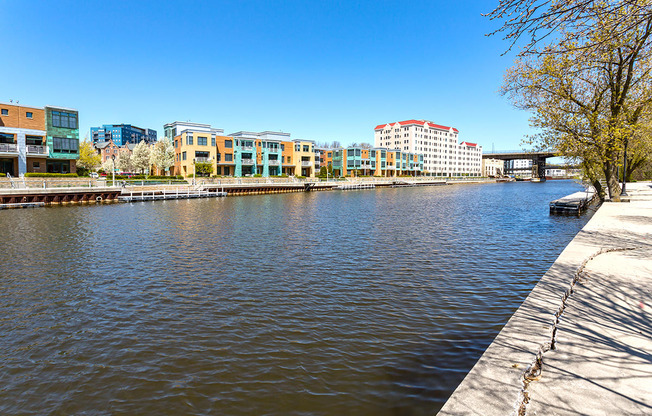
602 363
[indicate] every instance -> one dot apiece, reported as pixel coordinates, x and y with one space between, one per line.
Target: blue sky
321 70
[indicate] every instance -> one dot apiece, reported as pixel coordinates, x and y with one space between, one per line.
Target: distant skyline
321 71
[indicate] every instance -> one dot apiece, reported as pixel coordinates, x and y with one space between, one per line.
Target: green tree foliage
89 159
591 99
203 168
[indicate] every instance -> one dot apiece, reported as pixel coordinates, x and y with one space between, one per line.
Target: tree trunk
593 178
612 181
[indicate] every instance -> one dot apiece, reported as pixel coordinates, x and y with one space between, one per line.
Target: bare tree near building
538 22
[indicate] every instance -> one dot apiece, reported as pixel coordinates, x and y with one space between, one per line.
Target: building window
202 141
33 140
228 157
213 141
65 145
306 148
55 166
183 156
6 138
64 120
189 141
28 114
4 112
228 144
36 165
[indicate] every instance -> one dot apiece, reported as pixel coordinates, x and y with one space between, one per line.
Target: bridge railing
519 151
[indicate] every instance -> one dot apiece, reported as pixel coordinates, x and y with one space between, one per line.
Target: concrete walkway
599 359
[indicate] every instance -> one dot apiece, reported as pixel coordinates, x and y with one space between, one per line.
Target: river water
323 303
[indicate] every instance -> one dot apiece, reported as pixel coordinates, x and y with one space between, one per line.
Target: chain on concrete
534 371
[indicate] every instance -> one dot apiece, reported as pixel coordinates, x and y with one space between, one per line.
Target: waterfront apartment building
259 153
242 153
442 154
199 143
304 158
38 139
357 161
121 134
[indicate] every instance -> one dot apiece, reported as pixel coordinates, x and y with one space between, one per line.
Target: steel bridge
538 159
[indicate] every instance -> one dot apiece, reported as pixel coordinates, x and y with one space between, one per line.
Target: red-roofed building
442 154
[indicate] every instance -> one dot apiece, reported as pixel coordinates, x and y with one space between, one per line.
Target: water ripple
328 303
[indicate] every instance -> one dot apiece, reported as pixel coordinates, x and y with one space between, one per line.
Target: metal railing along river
82 182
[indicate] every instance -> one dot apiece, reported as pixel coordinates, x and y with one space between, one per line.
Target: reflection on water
362 303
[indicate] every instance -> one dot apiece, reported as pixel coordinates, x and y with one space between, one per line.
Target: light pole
623 193
194 170
113 169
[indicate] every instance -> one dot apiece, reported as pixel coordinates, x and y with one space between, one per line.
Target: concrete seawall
581 342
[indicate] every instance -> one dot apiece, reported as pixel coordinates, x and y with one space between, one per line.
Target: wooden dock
573 204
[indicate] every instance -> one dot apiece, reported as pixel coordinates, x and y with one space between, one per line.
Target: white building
493 167
442 154
519 167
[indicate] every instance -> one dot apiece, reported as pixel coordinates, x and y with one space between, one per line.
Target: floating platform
158 195
573 204
355 186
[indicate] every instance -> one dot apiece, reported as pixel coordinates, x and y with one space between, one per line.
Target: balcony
248 161
203 159
8 148
275 162
306 163
247 148
37 149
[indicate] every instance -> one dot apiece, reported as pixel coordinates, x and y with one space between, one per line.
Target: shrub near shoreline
50 175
